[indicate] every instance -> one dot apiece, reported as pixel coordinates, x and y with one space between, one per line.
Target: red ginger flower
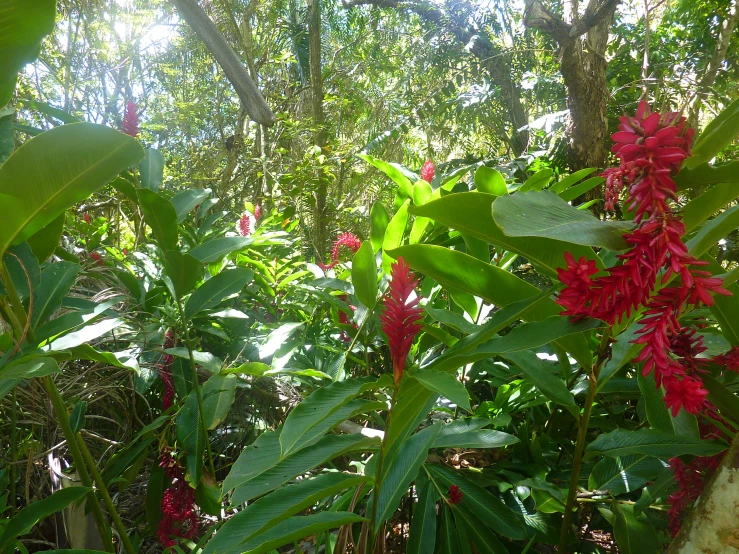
179 517
243 227
345 320
130 124
650 148
730 359
400 319
428 171
257 212
348 240
86 217
455 495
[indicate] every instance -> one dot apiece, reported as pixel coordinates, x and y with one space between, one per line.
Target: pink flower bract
130 124
428 171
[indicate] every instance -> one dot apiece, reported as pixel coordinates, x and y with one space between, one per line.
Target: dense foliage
417 307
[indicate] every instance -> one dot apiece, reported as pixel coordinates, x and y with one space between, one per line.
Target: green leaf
215 289
578 190
155 487
405 186
400 470
623 442
707 174
448 536
191 437
219 393
634 535
537 181
394 234
653 492
701 208
186 200
479 501
624 474
126 459
479 438
23 25
160 215
45 241
657 413
445 384
422 538
723 398
29 516
83 335
296 528
87 352
490 181
537 372
471 213
56 281
214 250
481 536
713 231
77 417
421 192
544 214
152 169
54 171
254 369
260 470
183 270
204 359
452 319
717 134
319 405
414 403
364 275
570 180
26 368
379 220
277 507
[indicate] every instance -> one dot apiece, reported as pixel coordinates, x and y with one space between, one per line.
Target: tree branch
224 54
537 16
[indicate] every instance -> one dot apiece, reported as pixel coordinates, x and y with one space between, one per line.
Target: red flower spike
428 171
455 495
130 124
650 148
401 317
257 212
179 517
86 217
243 227
347 240
730 360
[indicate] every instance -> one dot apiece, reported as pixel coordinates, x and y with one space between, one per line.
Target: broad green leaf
274 508
319 405
421 192
463 425
54 171
155 487
479 438
28 517
56 281
537 181
379 220
659 489
77 417
707 174
160 215
717 134
7 134
400 470
444 384
296 528
544 214
723 398
124 459
45 241
349 410
255 459
713 231
481 536
214 250
448 536
394 234
255 369
471 213
634 535
71 320
219 393
204 359
480 502
570 180
537 372
701 208
554 329
405 185
183 270
578 190
191 437
87 352
51 111
623 442
422 537
659 416
453 319
414 403
186 200
23 25
215 289
364 275
260 479
84 335
489 180
152 169
26 368
624 474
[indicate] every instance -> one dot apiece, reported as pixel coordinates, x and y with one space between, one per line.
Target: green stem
380 464
61 414
13 451
196 388
581 436
100 483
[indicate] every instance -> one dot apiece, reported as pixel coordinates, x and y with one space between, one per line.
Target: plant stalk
582 432
380 464
61 414
100 483
13 451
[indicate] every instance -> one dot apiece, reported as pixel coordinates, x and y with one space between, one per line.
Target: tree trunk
319 137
